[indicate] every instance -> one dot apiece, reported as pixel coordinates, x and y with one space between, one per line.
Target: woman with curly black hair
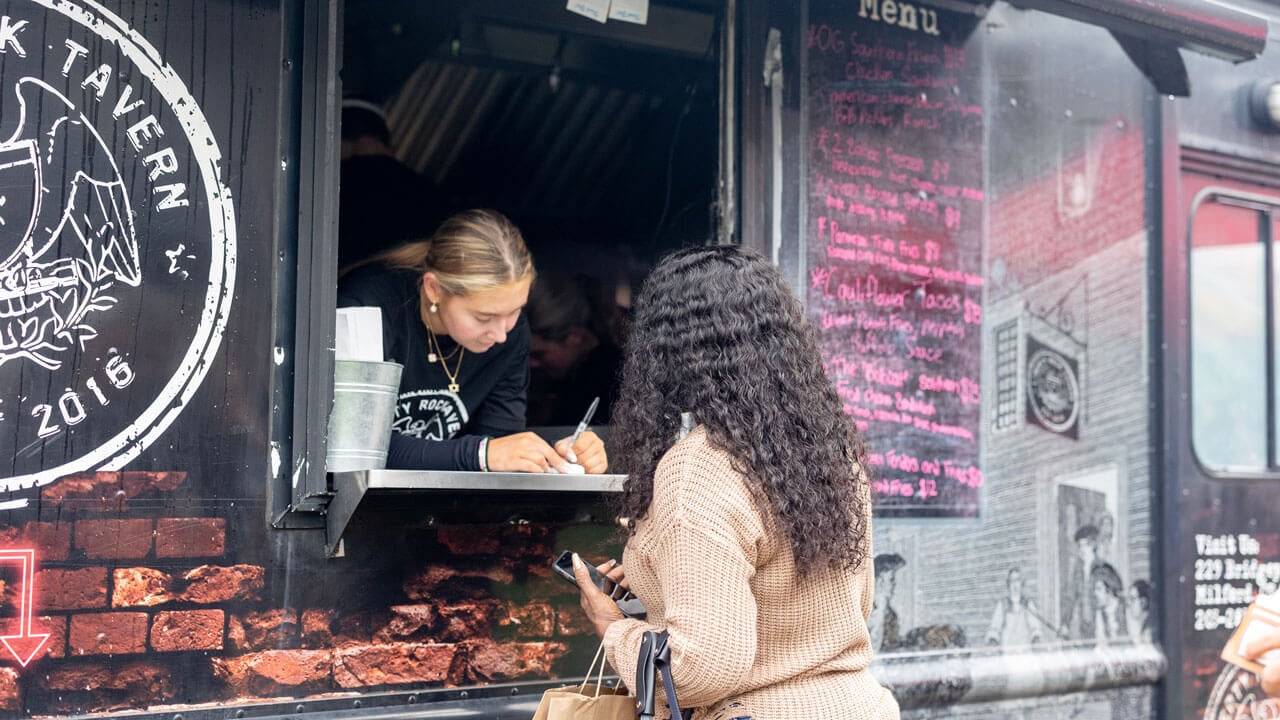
750 536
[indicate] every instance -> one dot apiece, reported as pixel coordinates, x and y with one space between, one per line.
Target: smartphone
629 604
564 568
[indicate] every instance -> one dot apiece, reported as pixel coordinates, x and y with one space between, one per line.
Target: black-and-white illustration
61 261
1016 620
883 623
1053 389
1138 610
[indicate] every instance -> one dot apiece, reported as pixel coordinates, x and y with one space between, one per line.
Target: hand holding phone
564 568
629 604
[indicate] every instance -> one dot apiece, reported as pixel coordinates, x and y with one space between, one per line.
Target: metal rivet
413 699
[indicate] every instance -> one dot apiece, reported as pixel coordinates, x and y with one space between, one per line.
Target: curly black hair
718 332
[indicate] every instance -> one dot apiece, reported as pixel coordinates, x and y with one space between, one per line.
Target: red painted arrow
25 644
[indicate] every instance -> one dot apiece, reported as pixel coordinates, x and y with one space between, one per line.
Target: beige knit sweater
748 636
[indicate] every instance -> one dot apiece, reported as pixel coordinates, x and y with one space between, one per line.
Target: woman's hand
523 452
1271 672
601 610
587 452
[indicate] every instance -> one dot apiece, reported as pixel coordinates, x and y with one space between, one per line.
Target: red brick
110 633
149 682
466 620
56 626
458 581
108 489
317 628
374 665
268 630
115 539
571 622
358 627
82 589
209 584
191 537
187 630
10 696
534 621
275 672
141 587
470 539
50 540
149 482
491 662
408 622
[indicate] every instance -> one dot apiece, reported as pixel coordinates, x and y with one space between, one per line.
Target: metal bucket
364 404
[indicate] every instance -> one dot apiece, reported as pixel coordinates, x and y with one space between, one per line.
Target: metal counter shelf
456 491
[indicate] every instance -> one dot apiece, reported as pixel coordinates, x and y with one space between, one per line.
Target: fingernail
573 457
612 562
577 561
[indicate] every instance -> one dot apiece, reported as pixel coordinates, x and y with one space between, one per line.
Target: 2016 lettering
70 407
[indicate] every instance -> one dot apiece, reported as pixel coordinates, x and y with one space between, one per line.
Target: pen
586 420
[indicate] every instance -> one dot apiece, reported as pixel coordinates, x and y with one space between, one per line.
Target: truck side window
1232 333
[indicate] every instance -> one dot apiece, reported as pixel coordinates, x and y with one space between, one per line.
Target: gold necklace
436 353
432 354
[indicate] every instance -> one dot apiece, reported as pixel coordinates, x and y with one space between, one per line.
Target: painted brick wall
957 575
145 609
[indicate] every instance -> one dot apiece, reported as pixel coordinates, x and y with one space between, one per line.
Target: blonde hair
470 251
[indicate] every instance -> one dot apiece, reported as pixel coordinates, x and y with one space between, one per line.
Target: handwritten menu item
894 232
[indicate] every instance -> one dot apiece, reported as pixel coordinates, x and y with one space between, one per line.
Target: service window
1233 321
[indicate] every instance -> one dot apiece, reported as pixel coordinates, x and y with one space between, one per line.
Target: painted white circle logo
117 242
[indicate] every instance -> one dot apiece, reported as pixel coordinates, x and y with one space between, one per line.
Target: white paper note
358 334
597 10
632 11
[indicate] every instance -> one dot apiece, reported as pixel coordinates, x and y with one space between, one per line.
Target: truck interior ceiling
598 139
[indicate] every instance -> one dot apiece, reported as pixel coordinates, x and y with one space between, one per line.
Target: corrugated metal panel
509 136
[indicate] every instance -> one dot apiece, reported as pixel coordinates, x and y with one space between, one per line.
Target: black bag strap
655 659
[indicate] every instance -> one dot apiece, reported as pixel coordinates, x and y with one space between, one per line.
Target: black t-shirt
435 429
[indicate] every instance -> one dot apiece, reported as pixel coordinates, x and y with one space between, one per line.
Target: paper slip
632 11
597 10
1259 619
358 334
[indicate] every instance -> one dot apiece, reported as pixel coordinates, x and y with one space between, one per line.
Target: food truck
1036 238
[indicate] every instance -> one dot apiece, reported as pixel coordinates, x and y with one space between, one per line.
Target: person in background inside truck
750 537
452 314
1270 676
573 355
382 202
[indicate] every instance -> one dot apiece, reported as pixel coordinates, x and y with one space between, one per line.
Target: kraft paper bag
588 701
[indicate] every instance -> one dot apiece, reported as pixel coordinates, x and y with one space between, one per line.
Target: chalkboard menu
894 232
